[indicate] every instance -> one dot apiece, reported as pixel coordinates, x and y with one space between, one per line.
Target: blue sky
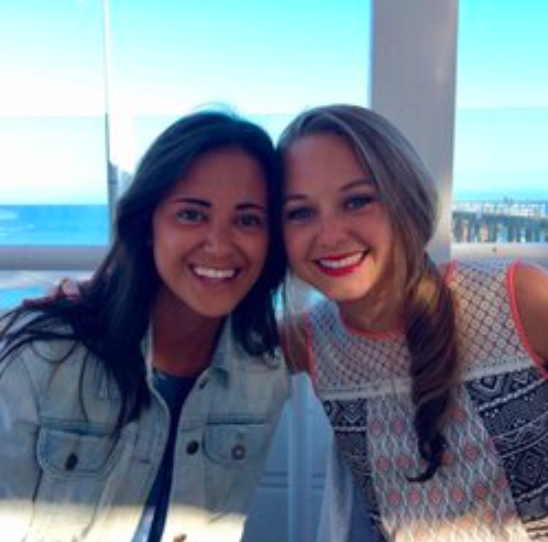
269 59
502 98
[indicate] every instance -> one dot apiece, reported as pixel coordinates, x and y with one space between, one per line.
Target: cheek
159 258
257 249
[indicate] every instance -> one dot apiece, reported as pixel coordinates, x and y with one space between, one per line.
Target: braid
431 337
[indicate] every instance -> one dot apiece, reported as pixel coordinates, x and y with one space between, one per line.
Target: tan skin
209 237
183 350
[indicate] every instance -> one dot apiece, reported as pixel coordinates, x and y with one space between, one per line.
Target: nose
330 234
218 239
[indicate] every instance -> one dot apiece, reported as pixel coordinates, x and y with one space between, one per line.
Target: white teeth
343 262
210 273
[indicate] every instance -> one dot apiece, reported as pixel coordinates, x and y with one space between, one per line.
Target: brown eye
299 214
191 215
250 221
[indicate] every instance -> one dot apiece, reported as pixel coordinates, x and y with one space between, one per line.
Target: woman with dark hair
142 409
434 377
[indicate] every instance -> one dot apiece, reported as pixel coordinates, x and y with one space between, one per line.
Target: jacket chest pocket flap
231 444
77 452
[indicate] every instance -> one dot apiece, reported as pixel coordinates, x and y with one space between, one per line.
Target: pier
505 221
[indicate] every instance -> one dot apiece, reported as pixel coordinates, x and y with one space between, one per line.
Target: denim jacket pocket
236 443
77 452
235 451
78 462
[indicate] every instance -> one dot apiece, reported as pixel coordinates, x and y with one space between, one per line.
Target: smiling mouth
337 265
213 273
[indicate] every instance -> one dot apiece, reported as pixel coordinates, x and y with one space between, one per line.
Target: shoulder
38 359
531 278
530 290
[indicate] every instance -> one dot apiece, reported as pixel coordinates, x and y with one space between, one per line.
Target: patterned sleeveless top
493 484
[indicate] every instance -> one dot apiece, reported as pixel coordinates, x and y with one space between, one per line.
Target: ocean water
42 225
10 297
54 225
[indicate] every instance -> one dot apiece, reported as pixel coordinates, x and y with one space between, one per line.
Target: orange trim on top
511 290
449 272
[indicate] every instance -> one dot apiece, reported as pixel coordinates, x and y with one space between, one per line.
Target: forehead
222 171
319 161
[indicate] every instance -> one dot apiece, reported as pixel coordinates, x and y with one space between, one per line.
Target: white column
413 84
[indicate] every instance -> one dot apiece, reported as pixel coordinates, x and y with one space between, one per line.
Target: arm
19 470
531 291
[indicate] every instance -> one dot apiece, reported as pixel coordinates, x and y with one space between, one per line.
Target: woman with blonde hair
434 377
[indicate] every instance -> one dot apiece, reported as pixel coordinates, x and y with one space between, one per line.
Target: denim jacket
65 478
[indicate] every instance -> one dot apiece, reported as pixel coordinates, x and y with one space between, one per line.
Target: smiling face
337 233
210 234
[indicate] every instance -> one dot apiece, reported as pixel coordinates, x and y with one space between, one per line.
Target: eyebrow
207 204
194 201
357 182
345 188
250 206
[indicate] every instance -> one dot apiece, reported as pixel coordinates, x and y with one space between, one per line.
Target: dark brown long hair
112 314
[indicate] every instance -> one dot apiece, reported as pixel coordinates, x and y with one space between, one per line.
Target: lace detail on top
488 337
493 484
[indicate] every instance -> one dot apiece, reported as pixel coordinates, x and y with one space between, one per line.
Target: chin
343 296
220 311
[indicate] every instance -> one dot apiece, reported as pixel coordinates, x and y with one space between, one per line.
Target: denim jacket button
238 451
192 448
71 462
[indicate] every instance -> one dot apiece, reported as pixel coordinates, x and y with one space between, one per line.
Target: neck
376 313
183 341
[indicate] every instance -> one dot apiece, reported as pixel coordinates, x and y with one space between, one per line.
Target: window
500 184
52 164
88 84
268 60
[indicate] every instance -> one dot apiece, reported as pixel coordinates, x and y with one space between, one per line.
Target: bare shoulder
531 291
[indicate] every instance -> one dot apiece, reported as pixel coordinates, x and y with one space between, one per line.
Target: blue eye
299 214
359 201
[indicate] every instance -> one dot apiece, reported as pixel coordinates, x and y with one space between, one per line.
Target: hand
65 288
